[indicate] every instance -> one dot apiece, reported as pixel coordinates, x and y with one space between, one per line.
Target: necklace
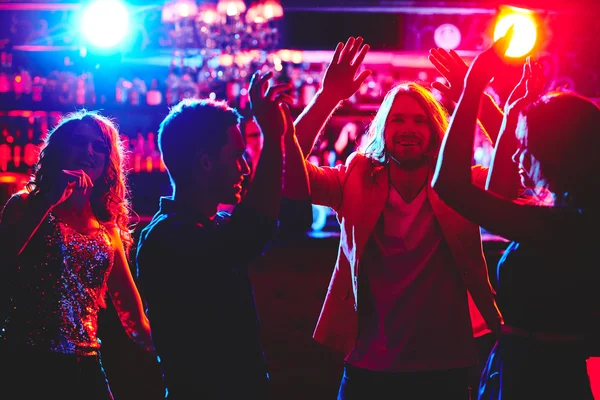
409 163
394 159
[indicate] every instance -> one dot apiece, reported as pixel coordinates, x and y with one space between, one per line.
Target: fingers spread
347 48
355 47
361 77
361 55
457 59
441 68
441 54
445 90
336 55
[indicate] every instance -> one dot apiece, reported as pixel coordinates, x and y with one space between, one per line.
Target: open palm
340 78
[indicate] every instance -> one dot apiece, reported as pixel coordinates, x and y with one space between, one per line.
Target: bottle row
21 138
23 87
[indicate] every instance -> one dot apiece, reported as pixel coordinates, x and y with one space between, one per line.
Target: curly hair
110 195
437 115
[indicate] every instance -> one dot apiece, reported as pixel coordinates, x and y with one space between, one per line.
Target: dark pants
211 382
28 375
361 384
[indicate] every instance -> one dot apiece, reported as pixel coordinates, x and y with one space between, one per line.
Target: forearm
295 177
453 170
490 116
264 194
126 297
503 178
128 305
20 234
313 118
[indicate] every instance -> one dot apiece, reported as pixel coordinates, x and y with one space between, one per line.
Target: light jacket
358 192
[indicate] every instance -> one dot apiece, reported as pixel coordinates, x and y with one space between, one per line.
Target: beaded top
59 290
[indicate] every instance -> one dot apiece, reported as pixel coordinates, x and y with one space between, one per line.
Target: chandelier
223 41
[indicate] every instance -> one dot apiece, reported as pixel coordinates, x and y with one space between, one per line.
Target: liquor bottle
154 95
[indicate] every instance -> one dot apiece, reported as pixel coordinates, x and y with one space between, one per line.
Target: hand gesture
340 80
270 105
486 64
67 183
527 90
453 68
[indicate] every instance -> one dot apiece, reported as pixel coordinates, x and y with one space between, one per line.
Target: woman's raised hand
67 183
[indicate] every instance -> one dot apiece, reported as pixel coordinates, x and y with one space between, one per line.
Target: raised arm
339 83
295 215
452 178
452 67
503 178
273 117
295 176
21 217
24 213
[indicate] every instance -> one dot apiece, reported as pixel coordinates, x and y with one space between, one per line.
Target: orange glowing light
525 34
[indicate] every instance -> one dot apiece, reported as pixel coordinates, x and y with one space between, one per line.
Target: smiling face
87 150
407 131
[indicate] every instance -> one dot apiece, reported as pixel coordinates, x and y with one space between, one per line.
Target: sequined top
60 286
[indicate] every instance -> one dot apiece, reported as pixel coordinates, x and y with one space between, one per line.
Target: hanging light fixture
228 39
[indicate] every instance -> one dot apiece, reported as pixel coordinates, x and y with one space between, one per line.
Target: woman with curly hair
65 237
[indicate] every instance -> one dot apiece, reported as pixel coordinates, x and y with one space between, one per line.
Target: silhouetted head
559 146
201 145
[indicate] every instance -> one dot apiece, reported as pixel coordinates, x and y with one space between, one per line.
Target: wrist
472 92
475 85
330 98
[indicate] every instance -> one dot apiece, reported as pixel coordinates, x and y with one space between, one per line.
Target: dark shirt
193 275
552 286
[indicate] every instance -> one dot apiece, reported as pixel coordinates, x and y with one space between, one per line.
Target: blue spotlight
105 23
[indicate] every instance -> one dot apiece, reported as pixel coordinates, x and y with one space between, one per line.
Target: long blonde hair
437 117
